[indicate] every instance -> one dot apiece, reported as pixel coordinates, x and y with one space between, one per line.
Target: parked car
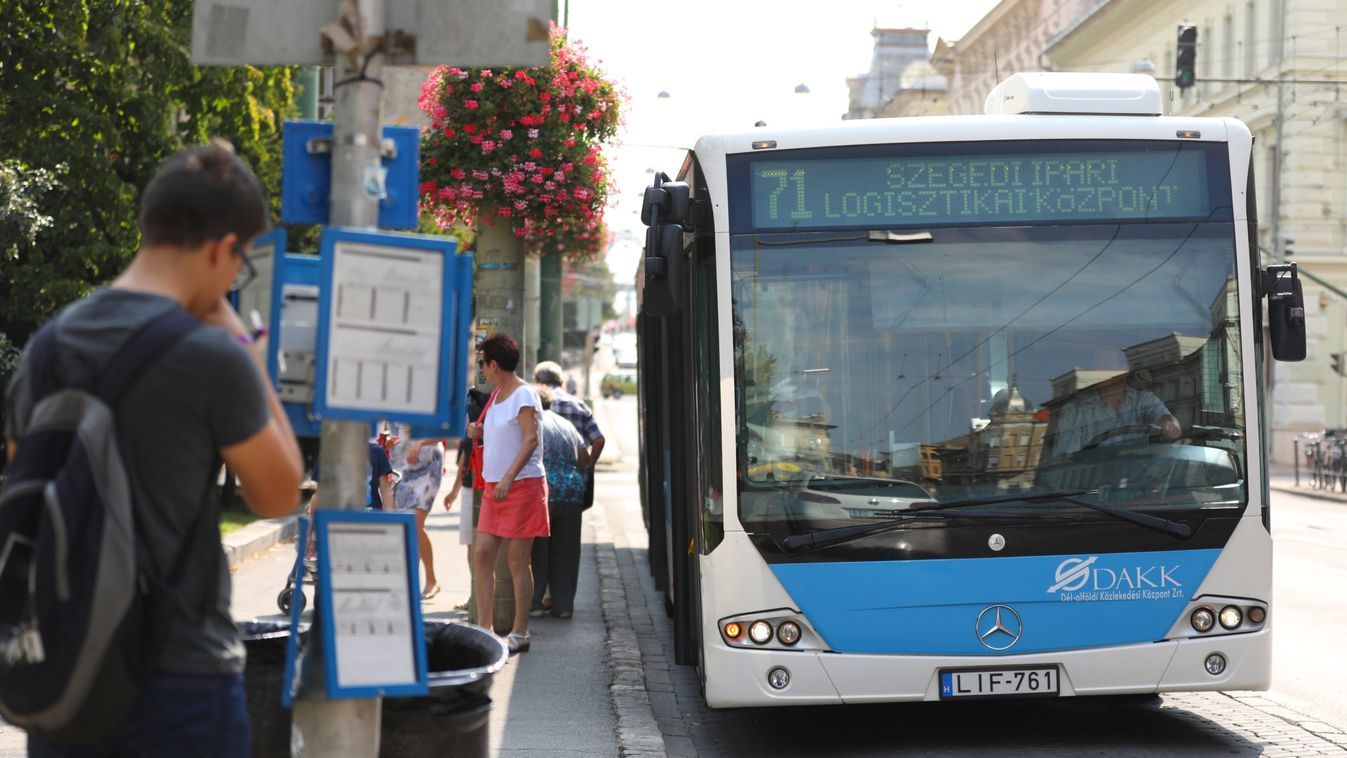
617 384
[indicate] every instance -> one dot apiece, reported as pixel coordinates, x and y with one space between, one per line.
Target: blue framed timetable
369 604
392 330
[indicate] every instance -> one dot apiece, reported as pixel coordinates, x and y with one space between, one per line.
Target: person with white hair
564 551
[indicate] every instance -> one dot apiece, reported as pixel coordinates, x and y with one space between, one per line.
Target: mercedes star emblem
998 627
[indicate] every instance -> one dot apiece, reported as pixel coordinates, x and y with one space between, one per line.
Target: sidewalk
1283 479
552 700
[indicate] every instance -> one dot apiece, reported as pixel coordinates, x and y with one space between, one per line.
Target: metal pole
348 728
499 292
1295 447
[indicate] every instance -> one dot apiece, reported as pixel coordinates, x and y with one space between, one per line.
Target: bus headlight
1215 664
778 629
760 632
1231 617
1203 619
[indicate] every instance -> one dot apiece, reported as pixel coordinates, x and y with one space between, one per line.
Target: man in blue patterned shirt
575 411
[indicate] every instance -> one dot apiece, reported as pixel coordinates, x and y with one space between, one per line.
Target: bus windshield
986 360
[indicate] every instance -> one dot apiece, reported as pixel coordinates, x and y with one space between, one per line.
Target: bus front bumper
738 678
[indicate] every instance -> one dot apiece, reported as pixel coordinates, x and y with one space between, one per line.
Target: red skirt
523 512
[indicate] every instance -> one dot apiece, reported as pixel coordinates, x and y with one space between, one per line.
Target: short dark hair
502 349
200 194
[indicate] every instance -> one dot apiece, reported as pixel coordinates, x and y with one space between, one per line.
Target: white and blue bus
963 407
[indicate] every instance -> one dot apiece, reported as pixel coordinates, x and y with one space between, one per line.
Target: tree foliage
94 94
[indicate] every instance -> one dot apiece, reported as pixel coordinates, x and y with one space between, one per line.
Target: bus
964 407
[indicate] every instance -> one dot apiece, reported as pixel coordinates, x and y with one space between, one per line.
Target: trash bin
452 721
264 681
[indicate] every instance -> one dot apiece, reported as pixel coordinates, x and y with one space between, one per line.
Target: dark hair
476 403
200 194
500 348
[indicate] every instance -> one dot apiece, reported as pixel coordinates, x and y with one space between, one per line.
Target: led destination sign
1169 183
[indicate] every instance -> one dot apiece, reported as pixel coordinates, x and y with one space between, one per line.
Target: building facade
1009 39
896 52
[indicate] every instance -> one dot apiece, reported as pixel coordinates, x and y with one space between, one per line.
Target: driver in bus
1112 412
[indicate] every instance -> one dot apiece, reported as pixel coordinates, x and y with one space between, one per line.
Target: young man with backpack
117 420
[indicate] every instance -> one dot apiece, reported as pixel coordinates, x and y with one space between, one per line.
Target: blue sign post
306 182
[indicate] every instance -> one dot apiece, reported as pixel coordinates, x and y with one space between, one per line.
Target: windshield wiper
1178 529
828 537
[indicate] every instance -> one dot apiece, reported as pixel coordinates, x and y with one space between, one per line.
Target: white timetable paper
385 325
371 605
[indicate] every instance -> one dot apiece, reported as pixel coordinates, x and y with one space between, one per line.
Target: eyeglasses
246 273
481 363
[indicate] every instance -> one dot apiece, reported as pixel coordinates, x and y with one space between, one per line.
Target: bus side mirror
1286 312
664 271
664 277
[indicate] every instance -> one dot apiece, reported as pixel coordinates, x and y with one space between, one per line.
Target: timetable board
388 310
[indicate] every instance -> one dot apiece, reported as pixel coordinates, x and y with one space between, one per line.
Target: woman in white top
514 503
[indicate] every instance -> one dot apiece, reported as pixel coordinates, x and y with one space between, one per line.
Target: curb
258 537
638 733
1309 492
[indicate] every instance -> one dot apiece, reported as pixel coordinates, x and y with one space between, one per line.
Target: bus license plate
1007 682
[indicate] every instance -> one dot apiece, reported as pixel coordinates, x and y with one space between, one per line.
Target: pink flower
476 86
470 104
533 134
520 205
506 134
480 176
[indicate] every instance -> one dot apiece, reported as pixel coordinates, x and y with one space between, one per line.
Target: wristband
248 339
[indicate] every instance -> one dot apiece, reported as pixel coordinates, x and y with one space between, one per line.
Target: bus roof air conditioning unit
1075 93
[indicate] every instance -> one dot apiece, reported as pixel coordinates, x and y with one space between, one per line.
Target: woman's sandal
430 592
518 643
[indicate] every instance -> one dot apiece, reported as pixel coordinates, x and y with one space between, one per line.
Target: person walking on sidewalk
206 398
420 468
574 410
514 503
556 558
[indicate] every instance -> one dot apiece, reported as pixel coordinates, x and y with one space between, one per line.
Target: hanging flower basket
522 144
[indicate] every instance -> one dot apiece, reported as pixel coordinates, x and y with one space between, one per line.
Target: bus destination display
980 189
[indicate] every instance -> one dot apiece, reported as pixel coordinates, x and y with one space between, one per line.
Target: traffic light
1337 363
1185 69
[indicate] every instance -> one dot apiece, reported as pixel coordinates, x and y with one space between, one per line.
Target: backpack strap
141 350
42 363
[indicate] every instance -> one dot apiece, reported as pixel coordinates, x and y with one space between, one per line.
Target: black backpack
83 615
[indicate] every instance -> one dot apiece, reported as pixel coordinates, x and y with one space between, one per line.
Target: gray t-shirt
202 394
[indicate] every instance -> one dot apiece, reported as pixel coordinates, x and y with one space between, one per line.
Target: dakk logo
1075 574
1072 574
